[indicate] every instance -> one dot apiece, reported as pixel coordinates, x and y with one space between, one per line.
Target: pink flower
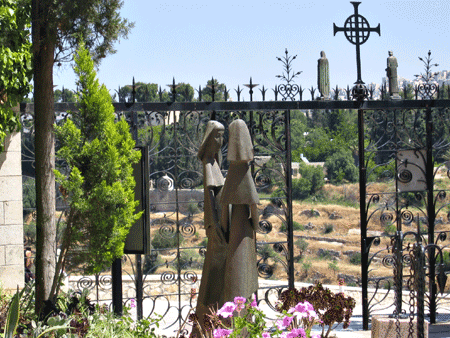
266 335
240 303
316 336
132 303
284 323
219 333
254 304
296 333
227 310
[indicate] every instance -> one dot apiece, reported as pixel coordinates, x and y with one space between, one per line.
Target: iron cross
357 31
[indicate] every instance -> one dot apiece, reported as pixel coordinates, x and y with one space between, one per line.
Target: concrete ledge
385 327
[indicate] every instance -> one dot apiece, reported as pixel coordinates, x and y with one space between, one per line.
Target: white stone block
13 142
12 276
10 163
14 255
13 212
2 255
11 188
11 235
2 213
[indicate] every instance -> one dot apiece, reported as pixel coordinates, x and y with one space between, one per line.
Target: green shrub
355 258
341 166
152 262
301 244
295 225
306 266
204 242
390 229
266 250
166 241
192 208
333 265
189 259
328 228
311 182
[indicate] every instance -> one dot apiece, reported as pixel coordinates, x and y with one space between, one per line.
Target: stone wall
11 215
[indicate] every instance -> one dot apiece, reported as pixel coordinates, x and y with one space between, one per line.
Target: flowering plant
243 318
331 307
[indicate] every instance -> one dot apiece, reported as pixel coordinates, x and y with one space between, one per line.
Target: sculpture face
391 53
217 138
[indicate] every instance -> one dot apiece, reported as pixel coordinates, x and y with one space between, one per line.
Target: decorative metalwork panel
407 185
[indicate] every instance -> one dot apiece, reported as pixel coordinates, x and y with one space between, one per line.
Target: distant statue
240 216
391 72
212 283
323 76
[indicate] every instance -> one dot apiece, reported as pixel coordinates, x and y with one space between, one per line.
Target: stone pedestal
11 215
385 327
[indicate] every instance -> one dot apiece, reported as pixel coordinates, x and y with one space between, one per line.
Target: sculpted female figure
240 216
211 286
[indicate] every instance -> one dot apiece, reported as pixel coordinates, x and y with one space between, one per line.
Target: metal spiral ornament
85 283
265 270
168 230
264 227
388 261
405 176
187 230
190 277
386 218
168 278
407 217
105 282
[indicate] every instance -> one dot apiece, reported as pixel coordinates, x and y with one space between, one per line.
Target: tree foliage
341 166
58 27
97 176
15 62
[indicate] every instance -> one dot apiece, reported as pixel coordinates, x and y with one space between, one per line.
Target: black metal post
363 217
431 217
420 287
116 274
289 199
139 287
398 277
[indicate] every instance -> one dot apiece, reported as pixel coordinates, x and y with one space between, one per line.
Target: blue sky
235 40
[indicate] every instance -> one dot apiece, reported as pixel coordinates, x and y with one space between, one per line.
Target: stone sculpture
323 76
391 72
212 283
240 216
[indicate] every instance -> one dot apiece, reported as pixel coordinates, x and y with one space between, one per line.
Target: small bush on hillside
355 258
295 225
160 241
328 228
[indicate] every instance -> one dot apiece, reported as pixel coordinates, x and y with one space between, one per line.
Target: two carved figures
230 218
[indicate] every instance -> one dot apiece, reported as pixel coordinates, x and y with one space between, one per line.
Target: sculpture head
212 140
322 54
391 53
240 147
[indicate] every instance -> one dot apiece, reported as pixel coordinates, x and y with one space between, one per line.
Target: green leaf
13 317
